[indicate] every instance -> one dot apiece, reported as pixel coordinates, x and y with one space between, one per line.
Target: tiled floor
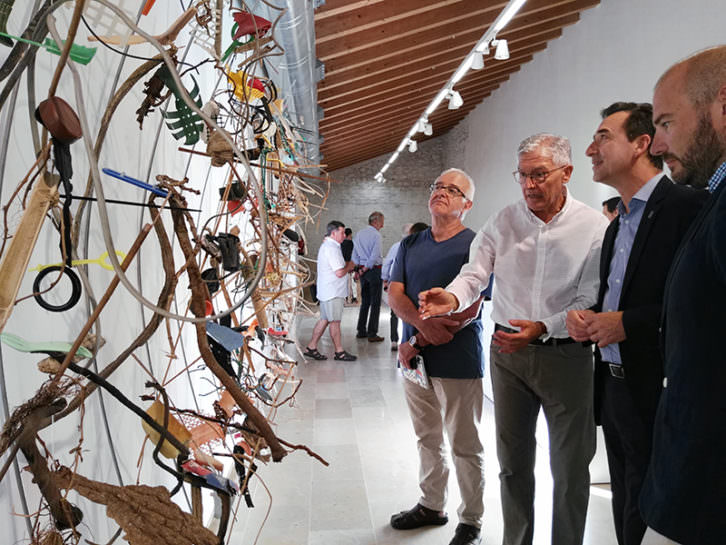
354 415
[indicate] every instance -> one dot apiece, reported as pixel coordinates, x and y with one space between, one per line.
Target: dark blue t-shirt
421 264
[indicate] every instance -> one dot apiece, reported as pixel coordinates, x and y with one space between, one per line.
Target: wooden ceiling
385 61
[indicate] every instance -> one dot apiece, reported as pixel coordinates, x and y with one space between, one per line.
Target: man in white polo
332 290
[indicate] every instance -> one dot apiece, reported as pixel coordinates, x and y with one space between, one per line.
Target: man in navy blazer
638 248
684 494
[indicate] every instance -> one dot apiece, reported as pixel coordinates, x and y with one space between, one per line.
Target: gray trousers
452 406
560 381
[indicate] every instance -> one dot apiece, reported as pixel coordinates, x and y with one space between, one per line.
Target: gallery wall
615 52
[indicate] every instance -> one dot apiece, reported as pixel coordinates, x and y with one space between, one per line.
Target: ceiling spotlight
455 100
502 52
428 130
483 48
477 61
412 146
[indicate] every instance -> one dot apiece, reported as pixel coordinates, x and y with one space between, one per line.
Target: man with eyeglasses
452 355
639 246
544 252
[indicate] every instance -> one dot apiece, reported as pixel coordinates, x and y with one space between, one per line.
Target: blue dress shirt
367 247
628 227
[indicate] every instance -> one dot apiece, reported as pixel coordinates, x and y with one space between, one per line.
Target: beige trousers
452 406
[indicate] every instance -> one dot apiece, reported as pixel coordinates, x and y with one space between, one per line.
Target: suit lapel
606 255
695 226
652 207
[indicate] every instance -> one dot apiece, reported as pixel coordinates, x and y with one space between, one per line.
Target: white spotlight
502 52
428 130
455 100
477 61
412 146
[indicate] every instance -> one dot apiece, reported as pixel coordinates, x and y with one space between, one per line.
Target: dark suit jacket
684 494
667 216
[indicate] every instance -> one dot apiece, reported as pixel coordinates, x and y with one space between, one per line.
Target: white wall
615 52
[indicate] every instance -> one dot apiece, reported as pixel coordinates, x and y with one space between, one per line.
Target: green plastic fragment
78 53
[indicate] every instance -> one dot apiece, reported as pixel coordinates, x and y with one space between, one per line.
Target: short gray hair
374 217
556 147
464 175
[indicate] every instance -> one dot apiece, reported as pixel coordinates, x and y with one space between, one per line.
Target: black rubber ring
75 282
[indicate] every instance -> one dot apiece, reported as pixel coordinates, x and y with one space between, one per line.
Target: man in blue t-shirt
452 354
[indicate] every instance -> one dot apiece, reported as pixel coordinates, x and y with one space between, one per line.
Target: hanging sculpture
235 274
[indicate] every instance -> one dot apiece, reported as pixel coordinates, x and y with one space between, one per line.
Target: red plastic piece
147 7
250 24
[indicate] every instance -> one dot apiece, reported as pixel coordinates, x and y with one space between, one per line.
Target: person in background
347 248
639 245
385 275
332 286
544 251
684 494
610 208
367 255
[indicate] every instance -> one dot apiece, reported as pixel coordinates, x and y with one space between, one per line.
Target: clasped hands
603 328
438 302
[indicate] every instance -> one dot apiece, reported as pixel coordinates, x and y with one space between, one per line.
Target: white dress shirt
541 270
330 259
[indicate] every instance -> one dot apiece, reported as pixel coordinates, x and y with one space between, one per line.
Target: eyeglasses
538 176
451 190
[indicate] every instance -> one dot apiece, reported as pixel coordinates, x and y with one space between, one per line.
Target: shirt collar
643 194
717 178
332 240
533 217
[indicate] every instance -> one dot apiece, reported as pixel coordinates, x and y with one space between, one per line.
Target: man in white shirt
544 252
332 289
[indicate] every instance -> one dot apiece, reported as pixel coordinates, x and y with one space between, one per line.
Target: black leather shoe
466 534
416 517
375 339
359 336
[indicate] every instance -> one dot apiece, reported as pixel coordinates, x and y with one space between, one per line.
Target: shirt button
617 280
622 250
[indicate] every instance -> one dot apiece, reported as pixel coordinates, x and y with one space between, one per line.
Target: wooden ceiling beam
431 54
406 117
403 100
424 28
372 153
424 66
359 37
361 17
395 133
410 85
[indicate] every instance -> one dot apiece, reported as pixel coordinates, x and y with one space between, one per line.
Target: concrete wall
402 198
616 52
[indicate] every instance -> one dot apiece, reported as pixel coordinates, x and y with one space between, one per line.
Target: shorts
332 309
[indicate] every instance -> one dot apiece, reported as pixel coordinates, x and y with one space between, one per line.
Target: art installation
229 282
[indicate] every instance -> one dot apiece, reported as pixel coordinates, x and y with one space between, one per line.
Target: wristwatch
413 342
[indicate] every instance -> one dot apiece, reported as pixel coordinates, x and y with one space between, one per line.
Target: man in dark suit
639 245
684 494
